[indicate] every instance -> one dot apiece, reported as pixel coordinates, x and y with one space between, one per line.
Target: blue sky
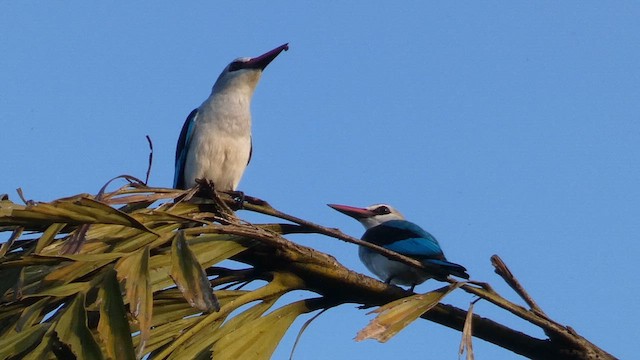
505 128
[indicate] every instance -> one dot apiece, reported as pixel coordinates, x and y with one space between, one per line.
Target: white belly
385 269
217 157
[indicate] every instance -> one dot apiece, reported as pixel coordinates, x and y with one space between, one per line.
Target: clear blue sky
505 128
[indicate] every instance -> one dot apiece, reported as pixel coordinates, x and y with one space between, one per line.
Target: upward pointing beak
354 212
261 62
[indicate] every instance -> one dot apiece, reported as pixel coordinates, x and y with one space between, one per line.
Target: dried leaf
113 326
302 329
467 343
190 277
396 315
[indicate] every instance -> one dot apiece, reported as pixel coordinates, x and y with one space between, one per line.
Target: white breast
217 156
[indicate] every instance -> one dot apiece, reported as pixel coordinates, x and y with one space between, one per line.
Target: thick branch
324 275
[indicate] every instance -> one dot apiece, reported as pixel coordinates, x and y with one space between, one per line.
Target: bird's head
243 73
371 215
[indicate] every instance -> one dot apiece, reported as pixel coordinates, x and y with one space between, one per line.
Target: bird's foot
238 199
207 189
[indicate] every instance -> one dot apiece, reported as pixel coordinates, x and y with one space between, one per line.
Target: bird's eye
382 210
236 65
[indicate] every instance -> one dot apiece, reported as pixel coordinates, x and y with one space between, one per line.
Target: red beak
261 62
354 212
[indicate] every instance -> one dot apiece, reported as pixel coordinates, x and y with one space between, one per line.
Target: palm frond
145 272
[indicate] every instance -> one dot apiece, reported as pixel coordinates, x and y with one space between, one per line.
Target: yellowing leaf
166 333
113 326
14 343
31 314
396 315
75 210
63 290
190 277
73 331
258 338
5 246
43 350
200 342
73 271
48 236
135 269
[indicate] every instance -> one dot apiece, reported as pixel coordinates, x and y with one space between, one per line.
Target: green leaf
396 315
73 331
44 348
15 343
113 326
190 277
32 314
8 278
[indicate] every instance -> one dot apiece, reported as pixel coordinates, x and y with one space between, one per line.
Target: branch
563 342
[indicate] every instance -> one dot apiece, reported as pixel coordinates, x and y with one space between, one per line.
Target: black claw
238 199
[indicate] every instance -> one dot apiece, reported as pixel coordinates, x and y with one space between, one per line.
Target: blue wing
409 239
406 238
448 267
182 148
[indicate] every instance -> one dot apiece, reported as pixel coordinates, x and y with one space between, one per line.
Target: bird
215 141
385 226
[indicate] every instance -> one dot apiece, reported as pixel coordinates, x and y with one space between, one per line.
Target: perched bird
215 141
386 227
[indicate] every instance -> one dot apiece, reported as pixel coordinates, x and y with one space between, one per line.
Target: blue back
406 238
182 148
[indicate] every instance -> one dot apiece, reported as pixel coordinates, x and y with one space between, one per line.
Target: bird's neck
228 110
370 222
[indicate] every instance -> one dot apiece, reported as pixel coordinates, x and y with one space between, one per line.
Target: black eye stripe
382 210
236 65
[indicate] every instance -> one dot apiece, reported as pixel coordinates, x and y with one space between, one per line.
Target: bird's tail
446 268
